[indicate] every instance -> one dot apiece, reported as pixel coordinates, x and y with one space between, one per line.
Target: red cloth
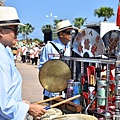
111 76
111 68
118 16
90 71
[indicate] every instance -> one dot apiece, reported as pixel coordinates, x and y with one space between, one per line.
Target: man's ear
1 32
61 34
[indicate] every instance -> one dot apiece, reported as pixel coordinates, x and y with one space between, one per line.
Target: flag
118 15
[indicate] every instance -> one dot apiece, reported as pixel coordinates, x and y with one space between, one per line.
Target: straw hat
9 16
63 25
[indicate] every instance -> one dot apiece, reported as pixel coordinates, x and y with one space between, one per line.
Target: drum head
111 39
51 113
75 117
54 74
88 43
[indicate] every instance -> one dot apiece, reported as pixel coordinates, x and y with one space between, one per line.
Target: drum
51 113
75 117
76 91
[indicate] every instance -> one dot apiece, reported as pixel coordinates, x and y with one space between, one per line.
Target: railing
103 96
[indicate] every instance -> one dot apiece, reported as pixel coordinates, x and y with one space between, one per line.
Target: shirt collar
67 45
6 49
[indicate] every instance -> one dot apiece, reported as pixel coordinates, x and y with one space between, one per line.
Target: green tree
105 12
26 30
54 34
78 22
36 39
56 22
47 28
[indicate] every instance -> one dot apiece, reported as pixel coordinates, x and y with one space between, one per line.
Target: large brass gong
54 74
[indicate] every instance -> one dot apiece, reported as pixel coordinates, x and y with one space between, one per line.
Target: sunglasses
15 30
67 32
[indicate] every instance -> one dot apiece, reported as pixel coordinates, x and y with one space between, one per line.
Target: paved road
32 89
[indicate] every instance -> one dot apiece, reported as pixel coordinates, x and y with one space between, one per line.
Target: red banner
118 15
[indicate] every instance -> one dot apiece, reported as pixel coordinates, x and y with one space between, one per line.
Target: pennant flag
118 15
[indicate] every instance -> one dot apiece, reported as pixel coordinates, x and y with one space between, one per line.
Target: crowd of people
27 53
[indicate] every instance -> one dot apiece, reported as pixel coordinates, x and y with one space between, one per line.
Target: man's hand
36 110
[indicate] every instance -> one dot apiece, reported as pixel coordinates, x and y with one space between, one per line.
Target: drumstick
64 101
53 98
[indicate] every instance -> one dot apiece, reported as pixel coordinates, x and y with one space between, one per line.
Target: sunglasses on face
15 30
67 32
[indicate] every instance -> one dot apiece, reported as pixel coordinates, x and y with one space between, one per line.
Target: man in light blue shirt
63 29
12 107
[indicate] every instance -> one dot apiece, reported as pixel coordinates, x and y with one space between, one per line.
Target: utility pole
51 16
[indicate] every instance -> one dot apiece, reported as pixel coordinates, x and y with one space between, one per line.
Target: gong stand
117 81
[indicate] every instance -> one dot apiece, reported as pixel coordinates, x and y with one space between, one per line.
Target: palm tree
56 22
47 28
78 22
26 30
105 12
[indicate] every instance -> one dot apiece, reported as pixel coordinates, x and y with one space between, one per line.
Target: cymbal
54 74
88 43
111 40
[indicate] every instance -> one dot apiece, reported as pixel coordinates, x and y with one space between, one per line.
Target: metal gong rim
54 74
88 43
111 40
75 117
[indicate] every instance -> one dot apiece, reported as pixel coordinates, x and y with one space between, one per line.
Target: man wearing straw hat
49 52
12 107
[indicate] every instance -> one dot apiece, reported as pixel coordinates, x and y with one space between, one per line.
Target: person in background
28 54
12 107
32 55
23 51
63 30
15 52
41 46
36 52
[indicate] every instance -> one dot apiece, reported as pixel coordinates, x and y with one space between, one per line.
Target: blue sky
35 11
